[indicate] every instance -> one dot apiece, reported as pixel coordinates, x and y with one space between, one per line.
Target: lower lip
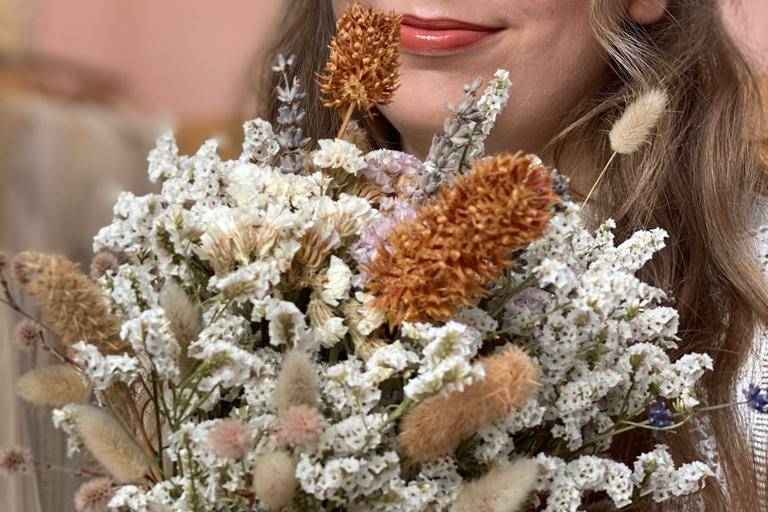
437 43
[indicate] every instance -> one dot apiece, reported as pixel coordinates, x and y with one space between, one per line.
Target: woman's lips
440 37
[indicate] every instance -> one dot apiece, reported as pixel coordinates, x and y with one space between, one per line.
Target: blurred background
85 87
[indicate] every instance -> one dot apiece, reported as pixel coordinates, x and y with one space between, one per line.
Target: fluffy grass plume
297 382
503 489
363 68
436 426
230 439
70 302
110 445
182 313
460 242
634 127
274 479
185 318
56 385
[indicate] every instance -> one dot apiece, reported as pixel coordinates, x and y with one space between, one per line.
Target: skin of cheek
547 46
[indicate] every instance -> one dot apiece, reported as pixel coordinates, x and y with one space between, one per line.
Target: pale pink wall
749 20
187 58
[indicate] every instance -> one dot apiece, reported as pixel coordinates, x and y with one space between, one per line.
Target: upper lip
434 24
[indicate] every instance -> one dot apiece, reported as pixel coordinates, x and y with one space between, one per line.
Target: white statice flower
131 228
338 154
64 420
103 370
164 158
153 342
252 282
354 435
497 441
337 282
131 289
477 319
172 241
287 325
446 359
257 186
348 388
225 342
328 333
390 360
130 497
260 143
566 483
369 317
369 482
655 472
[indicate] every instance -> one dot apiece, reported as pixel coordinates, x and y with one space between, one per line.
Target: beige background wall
188 57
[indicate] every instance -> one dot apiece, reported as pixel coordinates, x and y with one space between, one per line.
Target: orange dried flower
363 68
462 240
69 301
436 426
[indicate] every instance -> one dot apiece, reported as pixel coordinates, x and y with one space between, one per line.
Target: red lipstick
440 37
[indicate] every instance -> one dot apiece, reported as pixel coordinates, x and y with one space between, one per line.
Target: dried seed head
103 263
461 241
14 460
69 301
27 334
363 68
634 127
436 426
94 495
56 385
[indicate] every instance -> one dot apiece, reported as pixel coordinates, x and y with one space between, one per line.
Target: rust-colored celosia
71 304
462 240
436 426
363 68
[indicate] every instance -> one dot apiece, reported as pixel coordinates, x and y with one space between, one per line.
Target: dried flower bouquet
330 329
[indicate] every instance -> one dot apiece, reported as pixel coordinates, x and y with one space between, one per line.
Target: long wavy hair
701 180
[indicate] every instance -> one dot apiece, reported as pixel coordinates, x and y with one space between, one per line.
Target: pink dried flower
103 263
300 425
27 334
94 495
14 460
230 439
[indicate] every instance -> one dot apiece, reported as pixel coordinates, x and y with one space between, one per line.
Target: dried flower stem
600 177
345 122
82 471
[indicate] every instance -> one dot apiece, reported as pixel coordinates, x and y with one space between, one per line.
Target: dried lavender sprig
490 104
290 117
449 147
